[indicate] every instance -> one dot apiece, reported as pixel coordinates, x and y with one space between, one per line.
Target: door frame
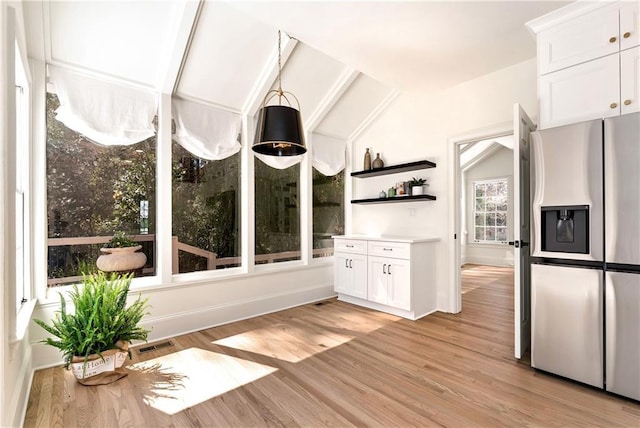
454 194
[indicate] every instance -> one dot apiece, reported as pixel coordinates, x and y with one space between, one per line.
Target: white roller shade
328 154
106 112
206 131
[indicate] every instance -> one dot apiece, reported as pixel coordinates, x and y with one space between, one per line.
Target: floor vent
155 347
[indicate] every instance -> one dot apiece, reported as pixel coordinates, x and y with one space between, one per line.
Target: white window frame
475 183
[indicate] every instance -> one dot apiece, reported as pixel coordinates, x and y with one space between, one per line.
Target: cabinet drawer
398 250
353 246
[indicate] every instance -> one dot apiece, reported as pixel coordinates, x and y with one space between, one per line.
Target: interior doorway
482 163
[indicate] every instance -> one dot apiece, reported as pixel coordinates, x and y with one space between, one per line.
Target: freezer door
566 316
567 172
623 333
622 189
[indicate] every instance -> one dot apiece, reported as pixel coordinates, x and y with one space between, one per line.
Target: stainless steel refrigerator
585 273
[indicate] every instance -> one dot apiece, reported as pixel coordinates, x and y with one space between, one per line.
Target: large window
206 212
328 211
490 211
94 191
277 213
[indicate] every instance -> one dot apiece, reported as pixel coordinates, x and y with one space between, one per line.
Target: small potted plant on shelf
121 254
417 186
94 340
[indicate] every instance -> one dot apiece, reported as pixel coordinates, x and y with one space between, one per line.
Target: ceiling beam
178 50
331 98
374 115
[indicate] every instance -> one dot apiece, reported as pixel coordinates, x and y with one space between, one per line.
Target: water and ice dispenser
565 229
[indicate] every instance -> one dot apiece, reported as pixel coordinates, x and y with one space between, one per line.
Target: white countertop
389 238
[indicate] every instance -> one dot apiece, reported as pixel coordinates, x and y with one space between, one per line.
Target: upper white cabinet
581 39
586 91
588 65
630 80
629 25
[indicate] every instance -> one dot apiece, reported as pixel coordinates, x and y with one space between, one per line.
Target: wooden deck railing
213 262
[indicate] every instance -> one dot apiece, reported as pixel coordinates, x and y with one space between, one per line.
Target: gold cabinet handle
613 39
626 35
627 102
613 105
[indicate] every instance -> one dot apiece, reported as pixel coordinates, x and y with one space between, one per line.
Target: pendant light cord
279 67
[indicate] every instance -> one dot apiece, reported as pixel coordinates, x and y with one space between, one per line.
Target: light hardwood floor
340 365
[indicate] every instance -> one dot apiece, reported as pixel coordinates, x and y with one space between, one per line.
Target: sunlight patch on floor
284 342
189 377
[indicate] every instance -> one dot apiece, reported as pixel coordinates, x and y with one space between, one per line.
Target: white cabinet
629 25
593 35
630 80
350 274
395 275
390 282
586 91
587 62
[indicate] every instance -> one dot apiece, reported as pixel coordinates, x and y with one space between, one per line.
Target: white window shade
106 112
328 154
205 131
279 162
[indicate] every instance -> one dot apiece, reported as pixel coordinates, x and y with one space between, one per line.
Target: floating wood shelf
394 169
394 199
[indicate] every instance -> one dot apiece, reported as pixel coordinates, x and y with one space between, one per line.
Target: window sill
22 321
152 283
489 244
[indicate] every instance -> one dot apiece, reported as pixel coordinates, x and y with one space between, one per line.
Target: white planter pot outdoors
417 190
121 259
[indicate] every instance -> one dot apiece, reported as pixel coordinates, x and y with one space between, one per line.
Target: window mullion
164 243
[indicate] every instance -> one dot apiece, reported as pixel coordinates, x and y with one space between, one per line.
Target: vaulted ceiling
347 61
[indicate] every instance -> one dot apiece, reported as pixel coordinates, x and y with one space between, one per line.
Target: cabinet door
581 39
399 285
630 80
584 92
342 282
358 268
378 279
629 25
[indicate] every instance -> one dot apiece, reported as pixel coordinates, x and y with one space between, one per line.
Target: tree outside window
206 211
328 211
277 212
92 192
490 211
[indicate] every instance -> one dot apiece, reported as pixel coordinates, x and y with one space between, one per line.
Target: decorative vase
417 190
123 259
377 162
382 194
367 160
101 370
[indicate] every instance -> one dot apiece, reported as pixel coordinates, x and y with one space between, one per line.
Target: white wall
15 350
499 164
418 126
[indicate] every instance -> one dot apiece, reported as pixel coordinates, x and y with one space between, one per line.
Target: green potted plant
417 185
94 339
121 254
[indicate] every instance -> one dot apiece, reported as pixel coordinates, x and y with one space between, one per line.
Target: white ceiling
411 44
344 65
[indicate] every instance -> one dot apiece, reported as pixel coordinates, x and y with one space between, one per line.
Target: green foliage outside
100 317
94 190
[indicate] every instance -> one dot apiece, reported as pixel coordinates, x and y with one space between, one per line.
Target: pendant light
279 131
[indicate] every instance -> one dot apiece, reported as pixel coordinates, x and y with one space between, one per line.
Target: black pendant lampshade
279 131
